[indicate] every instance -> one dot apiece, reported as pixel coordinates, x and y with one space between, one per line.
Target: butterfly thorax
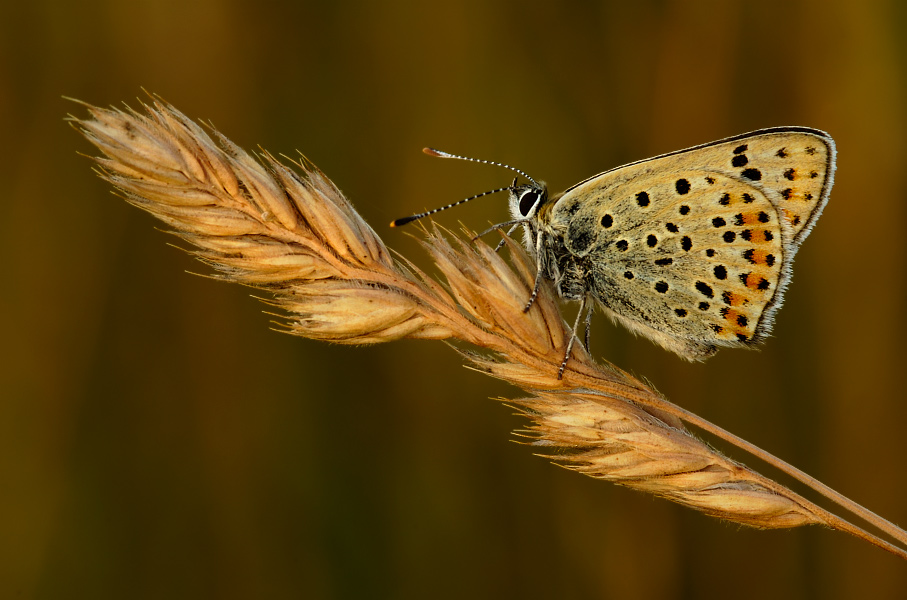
546 239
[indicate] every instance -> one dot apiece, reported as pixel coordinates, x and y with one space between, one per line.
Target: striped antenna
441 154
406 220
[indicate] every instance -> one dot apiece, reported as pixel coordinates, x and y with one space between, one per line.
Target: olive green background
158 440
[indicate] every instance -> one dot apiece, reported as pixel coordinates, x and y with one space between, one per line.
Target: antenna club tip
405 220
433 152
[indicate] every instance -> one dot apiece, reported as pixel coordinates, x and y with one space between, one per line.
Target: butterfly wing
693 248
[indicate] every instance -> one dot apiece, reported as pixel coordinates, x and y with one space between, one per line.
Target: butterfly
692 249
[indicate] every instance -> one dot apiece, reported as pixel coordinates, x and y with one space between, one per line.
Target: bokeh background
157 439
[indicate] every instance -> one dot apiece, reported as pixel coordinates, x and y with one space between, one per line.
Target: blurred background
157 439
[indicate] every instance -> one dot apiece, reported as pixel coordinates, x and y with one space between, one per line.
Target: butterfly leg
504 241
498 226
588 322
582 308
538 272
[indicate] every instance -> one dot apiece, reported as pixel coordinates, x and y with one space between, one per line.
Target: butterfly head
526 199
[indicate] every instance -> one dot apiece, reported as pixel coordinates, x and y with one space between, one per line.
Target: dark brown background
158 440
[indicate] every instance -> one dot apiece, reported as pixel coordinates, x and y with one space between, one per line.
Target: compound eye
527 201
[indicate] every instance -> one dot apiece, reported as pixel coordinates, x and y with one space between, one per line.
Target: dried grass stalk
293 234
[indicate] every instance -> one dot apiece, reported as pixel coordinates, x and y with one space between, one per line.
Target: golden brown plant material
293 234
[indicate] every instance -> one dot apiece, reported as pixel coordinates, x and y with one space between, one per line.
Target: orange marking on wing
753 281
760 257
753 218
734 317
746 219
736 299
731 315
758 236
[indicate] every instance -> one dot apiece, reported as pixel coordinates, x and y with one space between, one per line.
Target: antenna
406 220
441 154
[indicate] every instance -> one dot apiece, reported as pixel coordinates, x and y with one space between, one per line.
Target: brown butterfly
692 249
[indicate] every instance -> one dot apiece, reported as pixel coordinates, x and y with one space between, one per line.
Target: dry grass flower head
288 231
